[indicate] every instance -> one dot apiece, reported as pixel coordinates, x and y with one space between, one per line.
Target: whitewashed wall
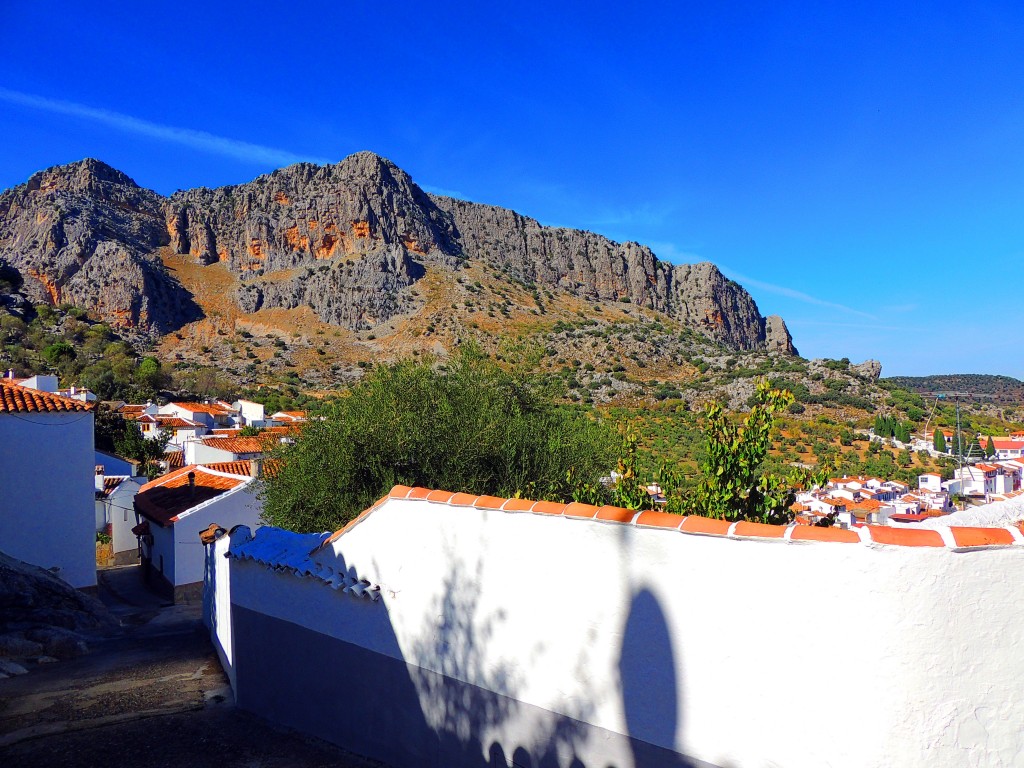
47 492
730 652
239 506
121 508
217 604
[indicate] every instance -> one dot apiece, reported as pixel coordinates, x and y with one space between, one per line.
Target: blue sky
858 168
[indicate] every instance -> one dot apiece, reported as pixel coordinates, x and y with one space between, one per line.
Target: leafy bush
472 427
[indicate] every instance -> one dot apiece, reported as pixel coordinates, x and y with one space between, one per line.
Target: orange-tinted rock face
411 244
361 229
327 246
49 284
282 199
223 254
296 241
256 255
715 318
313 224
123 318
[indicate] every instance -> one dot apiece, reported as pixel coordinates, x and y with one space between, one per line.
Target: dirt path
154 694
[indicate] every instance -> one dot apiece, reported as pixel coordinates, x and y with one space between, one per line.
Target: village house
213 449
47 514
209 414
117 465
289 417
173 509
1006 447
181 430
115 513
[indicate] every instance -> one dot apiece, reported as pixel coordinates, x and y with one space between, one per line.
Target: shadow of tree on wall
447 697
650 698
467 692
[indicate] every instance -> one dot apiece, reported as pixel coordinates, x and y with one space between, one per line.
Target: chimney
256 467
100 469
191 485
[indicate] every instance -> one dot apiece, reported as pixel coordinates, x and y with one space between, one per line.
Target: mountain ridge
352 241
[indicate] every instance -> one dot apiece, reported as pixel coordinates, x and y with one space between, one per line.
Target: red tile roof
110 484
241 445
165 498
244 467
212 408
18 399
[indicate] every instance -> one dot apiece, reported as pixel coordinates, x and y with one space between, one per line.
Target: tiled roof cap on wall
18 399
952 538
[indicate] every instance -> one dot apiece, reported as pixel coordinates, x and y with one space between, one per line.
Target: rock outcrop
84 234
42 615
869 369
348 240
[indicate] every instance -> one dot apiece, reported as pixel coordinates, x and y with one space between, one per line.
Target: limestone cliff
349 240
85 234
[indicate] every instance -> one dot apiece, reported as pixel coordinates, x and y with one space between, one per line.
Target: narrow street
154 693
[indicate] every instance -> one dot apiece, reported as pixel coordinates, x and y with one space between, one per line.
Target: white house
181 430
289 417
210 414
250 414
212 449
115 514
1006 448
173 509
47 471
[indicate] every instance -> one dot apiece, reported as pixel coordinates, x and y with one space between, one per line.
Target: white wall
722 649
217 604
47 492
121 508
239 506
197 452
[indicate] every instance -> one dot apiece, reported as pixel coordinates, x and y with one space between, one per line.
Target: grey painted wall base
368 703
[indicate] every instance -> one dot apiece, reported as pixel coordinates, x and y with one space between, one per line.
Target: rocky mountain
356 242
86 234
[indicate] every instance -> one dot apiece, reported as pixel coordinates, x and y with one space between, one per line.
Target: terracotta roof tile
163 499
18 399
110 484
693 524
244 467
256 444
214 409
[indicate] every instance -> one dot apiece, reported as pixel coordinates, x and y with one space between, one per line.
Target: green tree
472 427
733 484
939 441
990 448
59 352
133 445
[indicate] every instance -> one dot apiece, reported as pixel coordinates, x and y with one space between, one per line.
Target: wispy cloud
790 293
671 252
201 140
645 215
443 192
854 326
